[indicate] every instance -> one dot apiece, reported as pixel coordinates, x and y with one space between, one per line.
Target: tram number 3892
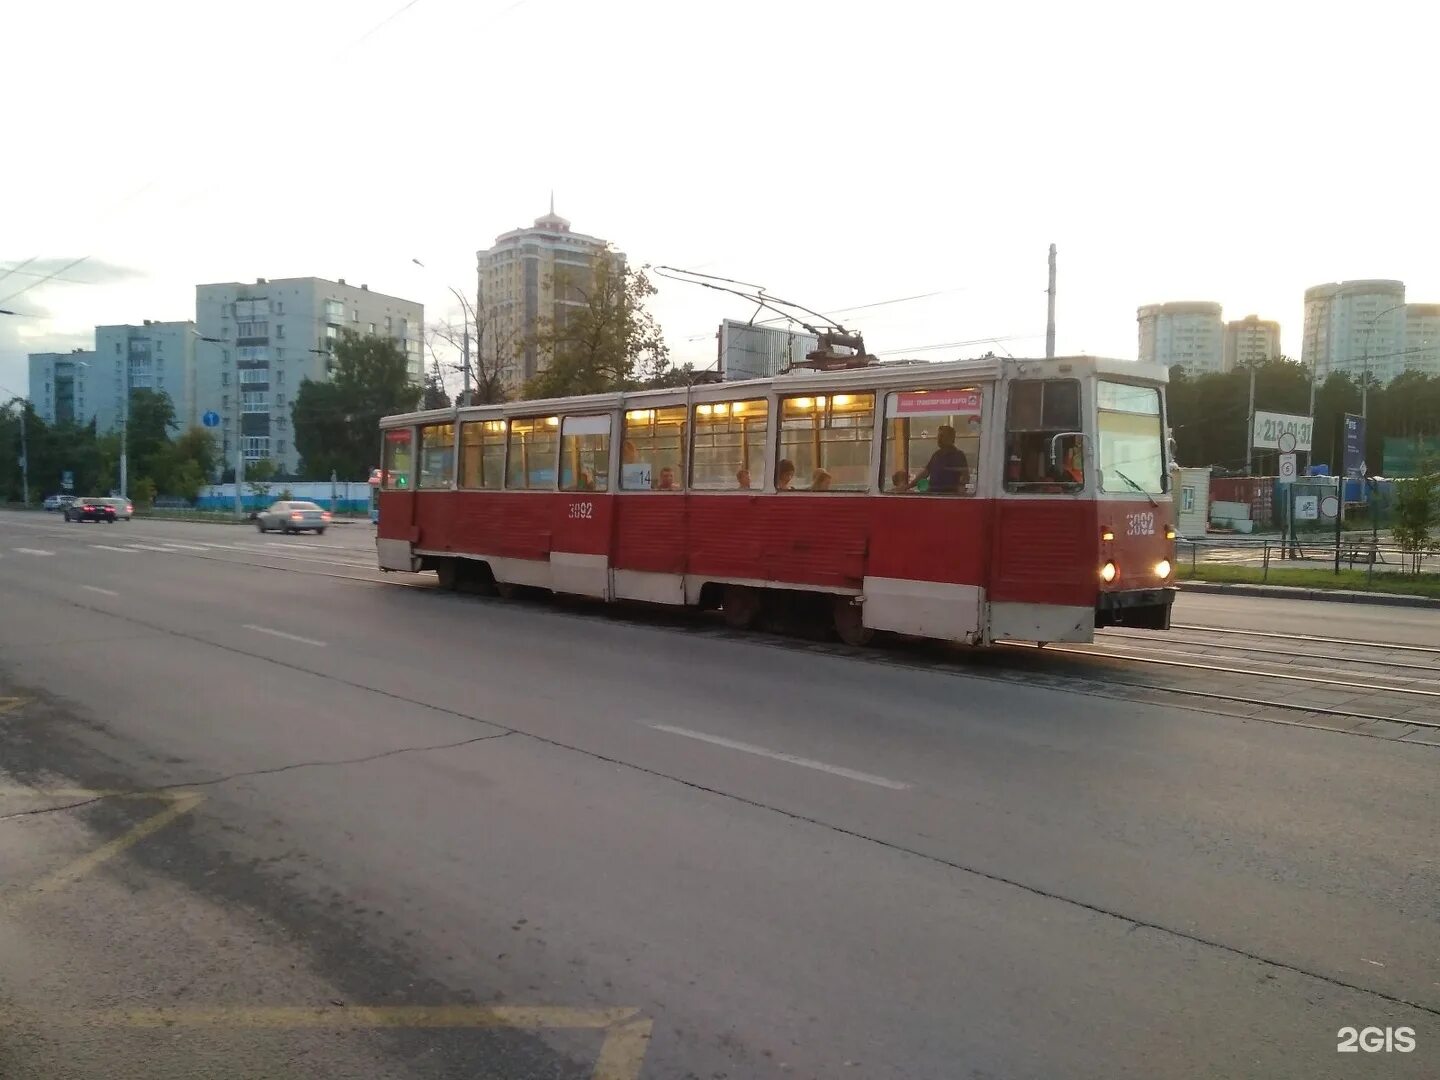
1140 524
582 510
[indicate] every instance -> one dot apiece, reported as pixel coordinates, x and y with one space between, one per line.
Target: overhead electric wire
43 280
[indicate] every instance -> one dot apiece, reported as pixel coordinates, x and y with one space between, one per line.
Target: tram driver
948 469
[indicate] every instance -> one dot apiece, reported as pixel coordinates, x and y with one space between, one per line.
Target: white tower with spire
526 279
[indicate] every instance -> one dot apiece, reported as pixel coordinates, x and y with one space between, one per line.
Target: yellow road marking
181 802
622 1054
354 1017
9 703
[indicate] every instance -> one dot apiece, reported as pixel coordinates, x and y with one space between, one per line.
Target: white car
291 516
124 508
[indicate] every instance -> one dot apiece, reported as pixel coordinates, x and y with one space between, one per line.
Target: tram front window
1043 451
1131 437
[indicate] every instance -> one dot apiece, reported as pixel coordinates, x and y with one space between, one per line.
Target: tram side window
825 443
932 442
585 453
729 452
534 445
1039 411
399 458
652 457
437 455
482 455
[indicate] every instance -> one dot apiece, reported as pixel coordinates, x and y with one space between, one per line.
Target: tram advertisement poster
939 403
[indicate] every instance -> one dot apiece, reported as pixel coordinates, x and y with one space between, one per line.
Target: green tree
151 420
605 339
198 445
337 424
258 475
433 396
1416 515
142 492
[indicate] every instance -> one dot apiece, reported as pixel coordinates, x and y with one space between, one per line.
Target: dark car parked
91 510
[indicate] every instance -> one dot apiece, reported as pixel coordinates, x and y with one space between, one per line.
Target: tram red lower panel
1021 551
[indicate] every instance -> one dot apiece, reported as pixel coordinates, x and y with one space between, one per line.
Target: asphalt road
416 834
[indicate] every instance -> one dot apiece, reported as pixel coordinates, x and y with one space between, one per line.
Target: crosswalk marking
33 551
111 547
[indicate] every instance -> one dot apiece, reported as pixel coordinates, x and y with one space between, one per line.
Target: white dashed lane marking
33 551
789 759
283 634
98 589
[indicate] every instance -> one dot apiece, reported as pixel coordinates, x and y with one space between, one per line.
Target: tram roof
919 374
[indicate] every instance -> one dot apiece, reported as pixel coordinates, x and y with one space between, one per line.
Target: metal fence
1313 551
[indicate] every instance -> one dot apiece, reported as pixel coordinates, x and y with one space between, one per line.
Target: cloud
21 277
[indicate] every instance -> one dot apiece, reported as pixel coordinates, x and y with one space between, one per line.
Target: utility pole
1050 320
1250 425
24 455
239 449
465 370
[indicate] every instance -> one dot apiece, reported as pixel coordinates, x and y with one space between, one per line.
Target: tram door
1042 581
396 530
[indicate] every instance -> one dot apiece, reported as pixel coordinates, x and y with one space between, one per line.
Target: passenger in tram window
586 482
742 477
948 471
900 482
628 454
784 474
820 481
667 479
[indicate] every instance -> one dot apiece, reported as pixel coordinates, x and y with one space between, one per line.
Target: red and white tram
975 501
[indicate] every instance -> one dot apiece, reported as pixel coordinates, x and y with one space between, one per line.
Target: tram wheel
741 606
849 622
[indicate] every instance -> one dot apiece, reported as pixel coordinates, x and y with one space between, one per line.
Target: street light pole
1365 370
469 315
24 454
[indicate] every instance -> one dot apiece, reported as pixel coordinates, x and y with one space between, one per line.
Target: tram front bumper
1145 609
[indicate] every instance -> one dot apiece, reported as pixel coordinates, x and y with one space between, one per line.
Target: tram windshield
1131 439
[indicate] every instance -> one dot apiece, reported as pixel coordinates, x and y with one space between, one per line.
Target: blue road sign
211 419
67 480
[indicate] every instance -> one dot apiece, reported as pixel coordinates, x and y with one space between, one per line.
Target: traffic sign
1307 507
1287 467
67 480
1330 506
211 419
1287 442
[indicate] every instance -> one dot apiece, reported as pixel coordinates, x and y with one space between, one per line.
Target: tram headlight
1162 569
1169 532
1108 573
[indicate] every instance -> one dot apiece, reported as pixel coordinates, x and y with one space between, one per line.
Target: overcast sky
840 153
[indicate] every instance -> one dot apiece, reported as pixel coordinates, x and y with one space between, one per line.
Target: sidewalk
1292 592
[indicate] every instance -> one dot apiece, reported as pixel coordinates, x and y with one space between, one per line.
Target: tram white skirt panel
924 608
1041 622
649 587
580 575
520 571
396 555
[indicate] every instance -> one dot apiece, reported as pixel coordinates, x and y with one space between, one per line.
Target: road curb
1292 592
